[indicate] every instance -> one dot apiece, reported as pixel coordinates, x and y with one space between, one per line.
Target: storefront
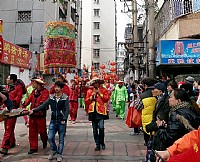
14 59
175 57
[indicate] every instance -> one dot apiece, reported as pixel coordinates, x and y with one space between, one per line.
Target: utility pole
135 38
152 65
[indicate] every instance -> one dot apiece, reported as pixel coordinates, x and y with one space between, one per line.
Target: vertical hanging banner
59 47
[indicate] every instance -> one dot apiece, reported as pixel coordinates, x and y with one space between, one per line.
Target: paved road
79 143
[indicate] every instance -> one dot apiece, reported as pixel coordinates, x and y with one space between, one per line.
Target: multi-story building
24 25
98 37
177 38
120 62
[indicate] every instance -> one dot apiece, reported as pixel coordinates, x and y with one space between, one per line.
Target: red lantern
113 63
102 66
84 73
106 77
80 79
113 75
76 77
21 70
92 68
113 69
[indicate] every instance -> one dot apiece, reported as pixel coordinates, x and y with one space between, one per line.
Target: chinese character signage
15 55
59 47
196 5
180 51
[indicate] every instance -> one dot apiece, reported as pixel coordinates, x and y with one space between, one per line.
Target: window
96 25
24 16
96 1
96 52
187 6
96 66
96 12
96 39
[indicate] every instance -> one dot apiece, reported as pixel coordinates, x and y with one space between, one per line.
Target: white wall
23 76
86 33
106 32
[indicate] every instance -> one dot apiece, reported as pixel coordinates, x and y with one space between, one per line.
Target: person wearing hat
161 111
15 91
120 98
37 120
61 78
97 98
189 80
73 99
59 104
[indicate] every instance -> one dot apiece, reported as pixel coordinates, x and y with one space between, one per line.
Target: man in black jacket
161 108
59 104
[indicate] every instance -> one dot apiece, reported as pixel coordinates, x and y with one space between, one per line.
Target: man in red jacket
15 90
73 99
37 121
66 89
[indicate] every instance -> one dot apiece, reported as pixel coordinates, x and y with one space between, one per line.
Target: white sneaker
59 158
50 157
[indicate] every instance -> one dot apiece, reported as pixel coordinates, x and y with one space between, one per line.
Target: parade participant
15 88
120 98
61 78
59 104
37 121
73 100
185 149
96 98
29 91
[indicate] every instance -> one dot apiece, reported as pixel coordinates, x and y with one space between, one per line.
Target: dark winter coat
59 110
162 110
181 121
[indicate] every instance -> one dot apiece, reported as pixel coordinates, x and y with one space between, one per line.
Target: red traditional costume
37 121
73 100
15 95
102 98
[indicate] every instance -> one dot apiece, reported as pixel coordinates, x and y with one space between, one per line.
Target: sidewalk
79 143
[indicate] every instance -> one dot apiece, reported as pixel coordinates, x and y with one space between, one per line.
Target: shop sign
180 51
15 55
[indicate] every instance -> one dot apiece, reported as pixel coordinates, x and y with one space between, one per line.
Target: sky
123 19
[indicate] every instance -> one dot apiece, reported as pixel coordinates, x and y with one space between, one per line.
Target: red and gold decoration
59 48
15 55
1 26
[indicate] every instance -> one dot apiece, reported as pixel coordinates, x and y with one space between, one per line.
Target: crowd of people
169 112
170 117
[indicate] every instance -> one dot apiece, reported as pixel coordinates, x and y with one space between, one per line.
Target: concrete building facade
24 25
98 37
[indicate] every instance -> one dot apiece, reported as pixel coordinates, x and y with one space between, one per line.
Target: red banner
55 59
15 55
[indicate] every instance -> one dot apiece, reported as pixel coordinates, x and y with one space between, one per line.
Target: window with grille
96 66
96 12
24 16
96 1
96 52
96 38
96 25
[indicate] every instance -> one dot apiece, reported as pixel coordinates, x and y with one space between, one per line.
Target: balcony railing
170 11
